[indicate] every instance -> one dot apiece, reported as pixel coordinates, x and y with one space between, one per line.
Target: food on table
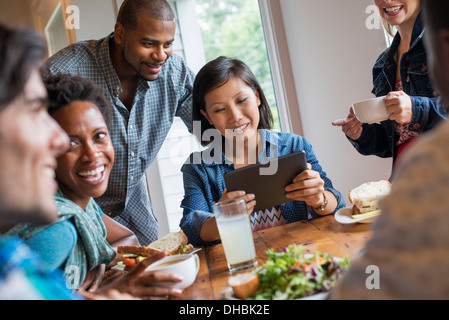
172 243
366 196
244 284
293 273
360 216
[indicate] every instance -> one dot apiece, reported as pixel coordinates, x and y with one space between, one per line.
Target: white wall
97 18
332 53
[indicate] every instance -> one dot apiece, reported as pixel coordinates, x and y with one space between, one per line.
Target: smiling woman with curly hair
83 240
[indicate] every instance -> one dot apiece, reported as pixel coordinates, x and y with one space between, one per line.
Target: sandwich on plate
172 243
365 198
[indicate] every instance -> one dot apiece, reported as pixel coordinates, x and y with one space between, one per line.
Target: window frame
280 65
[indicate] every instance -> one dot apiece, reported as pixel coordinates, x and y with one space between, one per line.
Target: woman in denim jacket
410 100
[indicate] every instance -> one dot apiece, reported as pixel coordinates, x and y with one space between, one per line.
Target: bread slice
137 250
365 197
171 243
244 284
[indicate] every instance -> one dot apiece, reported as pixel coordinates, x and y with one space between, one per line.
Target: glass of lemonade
235 232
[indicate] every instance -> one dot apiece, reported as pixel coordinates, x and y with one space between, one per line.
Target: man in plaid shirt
148 87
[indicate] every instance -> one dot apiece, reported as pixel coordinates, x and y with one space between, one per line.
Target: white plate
228 294
344 215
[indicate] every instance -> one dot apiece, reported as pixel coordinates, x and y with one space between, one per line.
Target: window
55 31
206 29
233 28
164 176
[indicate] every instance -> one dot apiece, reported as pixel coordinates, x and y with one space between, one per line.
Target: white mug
371 110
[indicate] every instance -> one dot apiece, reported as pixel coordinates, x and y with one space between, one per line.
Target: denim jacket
379 139
203 175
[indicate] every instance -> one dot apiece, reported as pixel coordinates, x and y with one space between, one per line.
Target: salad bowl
295 274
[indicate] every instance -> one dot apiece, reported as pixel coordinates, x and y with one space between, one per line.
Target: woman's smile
240 129
392 11
399 13
94 176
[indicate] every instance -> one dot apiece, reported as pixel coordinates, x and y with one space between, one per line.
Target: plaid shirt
137 135
22 276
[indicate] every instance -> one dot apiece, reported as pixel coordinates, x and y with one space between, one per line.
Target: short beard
132 67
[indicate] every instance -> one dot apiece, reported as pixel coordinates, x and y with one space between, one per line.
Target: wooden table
323 234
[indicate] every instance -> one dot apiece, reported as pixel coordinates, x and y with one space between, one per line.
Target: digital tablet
266 183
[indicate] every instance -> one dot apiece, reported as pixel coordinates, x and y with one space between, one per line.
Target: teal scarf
91 248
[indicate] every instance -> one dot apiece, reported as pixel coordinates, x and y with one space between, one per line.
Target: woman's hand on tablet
307 186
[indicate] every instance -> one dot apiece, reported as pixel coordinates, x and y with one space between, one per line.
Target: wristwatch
324 204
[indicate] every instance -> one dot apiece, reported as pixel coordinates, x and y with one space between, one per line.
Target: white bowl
185 265
371 110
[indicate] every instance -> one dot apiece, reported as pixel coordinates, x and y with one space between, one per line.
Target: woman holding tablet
228 100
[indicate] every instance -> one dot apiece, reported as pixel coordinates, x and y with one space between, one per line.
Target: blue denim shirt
204 183
379 139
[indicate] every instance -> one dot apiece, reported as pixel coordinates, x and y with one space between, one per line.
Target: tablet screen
267 188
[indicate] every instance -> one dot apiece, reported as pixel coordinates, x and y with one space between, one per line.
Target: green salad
294 273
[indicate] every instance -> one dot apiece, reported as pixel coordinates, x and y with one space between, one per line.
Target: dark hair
436 14
63 89
21 51
217 73
130 11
